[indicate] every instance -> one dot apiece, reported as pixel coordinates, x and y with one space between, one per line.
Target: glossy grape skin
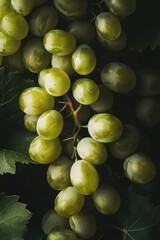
30 122
118 77
127 143
121 7
51 220
83 224
85 91
8 46
58 173
63 62
50 124
106 199
59 42
92 151
44 151
61 234
22 6
42 20
84 177
105 100
35 100
68 202
83 59
104 127
35 56
14 25
108 25
5 6
139 168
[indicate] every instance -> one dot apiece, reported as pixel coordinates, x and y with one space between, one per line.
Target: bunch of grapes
72 106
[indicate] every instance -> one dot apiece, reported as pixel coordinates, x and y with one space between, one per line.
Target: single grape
83 59
121 7
30 122
44 151
85 91
63 62
61 234
92 151
106 199
84 177
8 46
104 127
139 168
22 6
58 173
68 202
59 42
35 100
5 6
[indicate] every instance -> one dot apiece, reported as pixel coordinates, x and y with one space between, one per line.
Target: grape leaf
13 218
138 217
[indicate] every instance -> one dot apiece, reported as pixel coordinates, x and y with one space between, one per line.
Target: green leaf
138 217
13 218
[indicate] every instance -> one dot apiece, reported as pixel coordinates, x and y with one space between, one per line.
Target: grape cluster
71 111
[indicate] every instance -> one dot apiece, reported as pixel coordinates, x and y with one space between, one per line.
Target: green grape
51 220
127 143
55 81
42 20
104 101
106 199
92 151
85 91
58 173
84 177
118 77
148 84
104 127
61 234
59 42
5 6
139 168
14 25
44 151
71 8
37 3
108 25
35 100
50 124
30 122
35 56
68 202
121 7
8 46
148 111
83 224
83 59
63 62
22 6
82 30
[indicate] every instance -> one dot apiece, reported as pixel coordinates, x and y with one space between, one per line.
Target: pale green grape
59 42
42 20
106 199
105 100
50 124
84 177
30 122
83 224
37 3
22 6
61 234
58 173
35 100
35 56
121 7
104 127
51 220
139 168
63 62
5 6
83 59
45 151
118 77
8 46
92 151
108 25
85 91
14 25
68 202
